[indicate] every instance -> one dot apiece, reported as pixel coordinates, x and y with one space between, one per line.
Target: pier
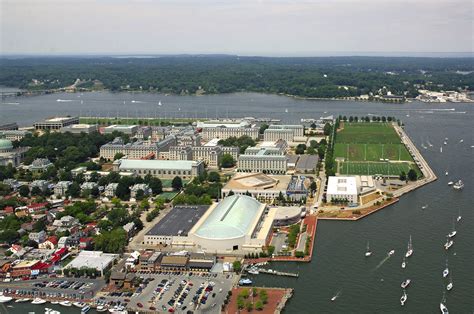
277 273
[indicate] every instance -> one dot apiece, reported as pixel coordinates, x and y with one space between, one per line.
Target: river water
367 285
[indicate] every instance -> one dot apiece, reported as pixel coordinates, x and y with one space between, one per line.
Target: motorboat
79 304
441 149
253 271
22 300
5 299
410 249
404 263
336 296
404 298
38 301
446 173
424 206
452 233
443 308
449 243
459 217
461 140
446 271
245 282
101 308
450 183
65 303
391 252
85 309
459 185
406 283
450 284
445 143
368 252
54 302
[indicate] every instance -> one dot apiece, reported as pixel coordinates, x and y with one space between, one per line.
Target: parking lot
57 288
177 292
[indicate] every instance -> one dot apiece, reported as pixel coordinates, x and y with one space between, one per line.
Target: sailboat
406 283
446 172
452 233
368 252
442 305
446 270
410 249
441 149
286 110
461 140
404 298
449 243
404 263
336 296
159 103
459 216
450 284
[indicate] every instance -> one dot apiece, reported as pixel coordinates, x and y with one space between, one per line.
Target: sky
267 28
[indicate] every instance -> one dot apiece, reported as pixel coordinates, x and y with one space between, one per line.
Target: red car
139 305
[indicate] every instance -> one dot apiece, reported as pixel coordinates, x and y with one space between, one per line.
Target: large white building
342 189
278 134
167 169
79 128
125 129
298 130
210 155
55 123
263 159
136 150
225 132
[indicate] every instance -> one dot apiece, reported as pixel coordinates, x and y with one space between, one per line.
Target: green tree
412 176
155 185
24 191
327 129
259 305
263 127
237 266
177 183
36 191
213 177
300 149
118 156
227 161
403 176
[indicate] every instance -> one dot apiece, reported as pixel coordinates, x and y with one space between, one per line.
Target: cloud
281 27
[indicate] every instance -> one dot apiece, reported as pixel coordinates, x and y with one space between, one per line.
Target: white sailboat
368 252
449 243
452 233
441 149
446 173
406 283
159 103
450 284
442 306
461 140
410 249
404 263
446 270
336 296
391 252
459 217
404 298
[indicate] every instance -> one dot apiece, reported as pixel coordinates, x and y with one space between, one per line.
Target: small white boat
22 300
446 271
450 183
452 233
245 282
391 252
404 298
336 296
5 299
459 185
101 308
404 263
253 271
65 303
406 283
450 284
79 304
424 206
38 301
459 217
368 252
410 249
449 243
445 143
54 302
443 308
461 140
446 173
85 309
441 149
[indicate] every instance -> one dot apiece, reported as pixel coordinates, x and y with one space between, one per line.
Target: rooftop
157 164
257 181
178 221
94 259
342 185
234 217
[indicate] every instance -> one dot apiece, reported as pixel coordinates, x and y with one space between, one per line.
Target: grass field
373 168
363 145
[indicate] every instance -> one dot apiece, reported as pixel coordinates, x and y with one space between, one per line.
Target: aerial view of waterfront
338 265
236 157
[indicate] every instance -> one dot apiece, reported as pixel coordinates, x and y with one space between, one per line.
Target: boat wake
382 262
337 295
64 100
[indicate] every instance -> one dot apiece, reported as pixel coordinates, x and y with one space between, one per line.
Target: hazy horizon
299 28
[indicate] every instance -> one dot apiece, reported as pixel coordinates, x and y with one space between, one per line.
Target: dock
277 273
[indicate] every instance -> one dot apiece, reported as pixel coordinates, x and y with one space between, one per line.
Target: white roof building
342 189
93 259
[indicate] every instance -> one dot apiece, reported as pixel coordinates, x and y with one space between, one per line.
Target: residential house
61 188
86 243
110 189
137 187
38 237
40 165
50 243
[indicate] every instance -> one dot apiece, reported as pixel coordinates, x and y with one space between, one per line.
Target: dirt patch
369 197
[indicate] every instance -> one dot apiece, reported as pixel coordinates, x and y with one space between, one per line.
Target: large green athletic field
368 148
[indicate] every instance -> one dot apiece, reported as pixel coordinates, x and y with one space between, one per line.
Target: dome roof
232 218
5 144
